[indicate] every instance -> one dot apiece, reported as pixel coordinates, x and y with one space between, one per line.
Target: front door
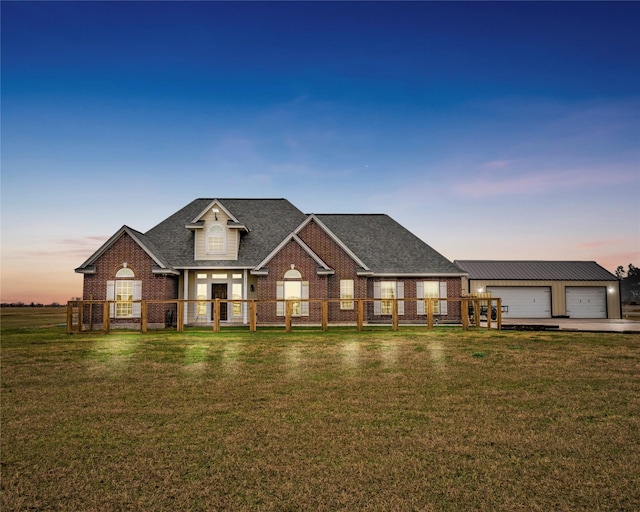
219 291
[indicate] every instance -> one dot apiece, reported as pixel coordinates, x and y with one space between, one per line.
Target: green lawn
378 420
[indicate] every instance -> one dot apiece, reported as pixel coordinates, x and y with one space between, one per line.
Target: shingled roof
385 246
535 270
381 245
269 221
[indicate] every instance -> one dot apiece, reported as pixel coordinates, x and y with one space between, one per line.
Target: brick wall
345 267
454 290
291 253
154 287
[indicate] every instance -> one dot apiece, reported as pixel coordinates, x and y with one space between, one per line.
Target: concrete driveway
575 324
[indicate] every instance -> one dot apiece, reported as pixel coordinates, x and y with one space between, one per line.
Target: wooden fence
81 313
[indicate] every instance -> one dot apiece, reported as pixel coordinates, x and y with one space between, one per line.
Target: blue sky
490 130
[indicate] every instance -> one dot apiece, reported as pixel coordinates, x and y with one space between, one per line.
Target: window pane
432 291
387 291
292 274
202 296
124 292
346 292
125 272
216 244
293 291
216 239
236 293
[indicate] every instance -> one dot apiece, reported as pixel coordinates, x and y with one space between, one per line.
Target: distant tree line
629 284
30 305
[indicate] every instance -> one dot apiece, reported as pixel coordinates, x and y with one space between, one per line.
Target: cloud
81 247
602 243
497 164
497 184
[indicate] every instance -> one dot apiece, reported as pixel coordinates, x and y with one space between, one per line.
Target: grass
27 317
411 420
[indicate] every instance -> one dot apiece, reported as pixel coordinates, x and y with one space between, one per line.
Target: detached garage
546 289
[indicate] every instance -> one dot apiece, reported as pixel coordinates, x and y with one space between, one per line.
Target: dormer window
216 240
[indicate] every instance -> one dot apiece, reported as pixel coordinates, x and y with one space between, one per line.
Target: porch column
244 295
185 295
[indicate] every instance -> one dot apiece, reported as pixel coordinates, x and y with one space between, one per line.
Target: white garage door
523 301
586 301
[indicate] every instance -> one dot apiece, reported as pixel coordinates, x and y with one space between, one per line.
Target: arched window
124 290
292 274
125 273
216 240
293 288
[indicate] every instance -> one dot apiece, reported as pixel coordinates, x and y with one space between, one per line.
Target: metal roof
535 270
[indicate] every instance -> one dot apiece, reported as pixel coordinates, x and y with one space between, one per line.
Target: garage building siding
488 274
558 291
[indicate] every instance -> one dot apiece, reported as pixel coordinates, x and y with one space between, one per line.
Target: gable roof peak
212 204
313 217
139 238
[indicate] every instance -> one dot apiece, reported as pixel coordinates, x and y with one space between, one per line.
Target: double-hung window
346 293
216 240
388 292
432 290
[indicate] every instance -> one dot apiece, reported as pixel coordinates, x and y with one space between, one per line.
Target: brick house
269 250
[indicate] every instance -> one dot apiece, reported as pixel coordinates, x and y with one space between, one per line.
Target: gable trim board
566 280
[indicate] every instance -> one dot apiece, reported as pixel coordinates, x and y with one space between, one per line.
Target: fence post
395 314
499 312
476 312
143 317
69 317
91 312
429 314
287 317
325 315
464 314
253 316
360 314
216 315
105 317
180 315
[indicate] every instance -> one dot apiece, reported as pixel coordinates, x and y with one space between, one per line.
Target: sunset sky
490 130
